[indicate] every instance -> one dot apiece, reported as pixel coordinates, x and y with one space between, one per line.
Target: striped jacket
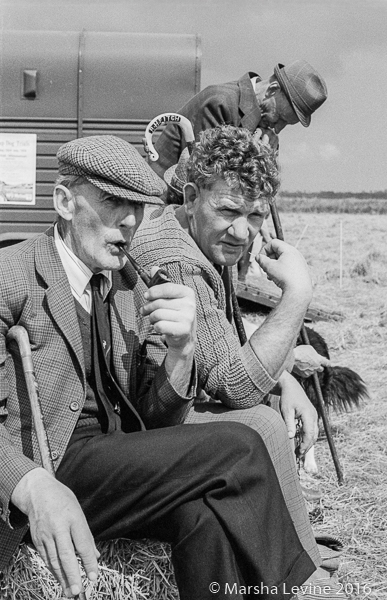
35 293
226 370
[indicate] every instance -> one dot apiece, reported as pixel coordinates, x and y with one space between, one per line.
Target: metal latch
29 83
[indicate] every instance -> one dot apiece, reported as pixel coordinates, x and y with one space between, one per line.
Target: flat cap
113 165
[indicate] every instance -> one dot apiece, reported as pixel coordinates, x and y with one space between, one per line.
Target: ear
272 88
64 202
190 193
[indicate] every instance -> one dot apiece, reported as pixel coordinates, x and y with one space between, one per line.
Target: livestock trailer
59 85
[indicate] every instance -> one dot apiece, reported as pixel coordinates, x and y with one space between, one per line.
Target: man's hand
286 266
59 528
171 308
172 311
267 136
295 404
307 361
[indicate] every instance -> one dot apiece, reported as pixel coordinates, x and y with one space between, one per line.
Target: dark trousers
210 490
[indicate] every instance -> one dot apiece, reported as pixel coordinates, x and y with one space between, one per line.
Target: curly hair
231 153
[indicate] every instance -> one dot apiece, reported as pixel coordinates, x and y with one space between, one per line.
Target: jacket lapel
58 294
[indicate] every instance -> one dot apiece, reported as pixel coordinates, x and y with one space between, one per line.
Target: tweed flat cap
112 165
304 88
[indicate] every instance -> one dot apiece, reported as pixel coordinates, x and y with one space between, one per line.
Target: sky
345 147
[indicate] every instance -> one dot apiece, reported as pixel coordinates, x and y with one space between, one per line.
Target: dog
342 389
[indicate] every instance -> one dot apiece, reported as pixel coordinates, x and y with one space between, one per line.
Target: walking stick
316 382
20 336
182 122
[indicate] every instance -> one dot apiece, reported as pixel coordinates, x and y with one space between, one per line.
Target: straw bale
128 570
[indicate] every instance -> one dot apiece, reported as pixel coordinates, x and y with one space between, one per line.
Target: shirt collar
77 272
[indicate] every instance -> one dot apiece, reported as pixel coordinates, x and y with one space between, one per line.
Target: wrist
184 352
26 487
302 295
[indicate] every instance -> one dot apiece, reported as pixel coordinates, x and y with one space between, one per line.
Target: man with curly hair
230 178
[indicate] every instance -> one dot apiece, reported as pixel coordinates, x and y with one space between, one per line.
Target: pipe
161 276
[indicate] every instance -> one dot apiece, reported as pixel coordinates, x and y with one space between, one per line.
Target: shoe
330 549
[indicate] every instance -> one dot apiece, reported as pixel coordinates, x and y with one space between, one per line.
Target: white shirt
79 274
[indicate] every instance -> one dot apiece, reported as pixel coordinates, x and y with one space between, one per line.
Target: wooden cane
316 382
18 334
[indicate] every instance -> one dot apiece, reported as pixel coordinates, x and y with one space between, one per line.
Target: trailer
59 85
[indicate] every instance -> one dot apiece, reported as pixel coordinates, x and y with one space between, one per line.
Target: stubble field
356 511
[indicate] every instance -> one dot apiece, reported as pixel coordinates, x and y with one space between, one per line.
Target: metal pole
316 382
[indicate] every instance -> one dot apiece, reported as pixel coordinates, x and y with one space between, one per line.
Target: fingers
286 266
325 362
168 290
290 422
59 529
308 361
309 436
172 312
59 553
85 547
59 556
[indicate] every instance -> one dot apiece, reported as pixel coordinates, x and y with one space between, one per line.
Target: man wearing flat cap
263 106
114 398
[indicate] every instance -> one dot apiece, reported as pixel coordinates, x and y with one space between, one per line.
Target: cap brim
123 192
287 90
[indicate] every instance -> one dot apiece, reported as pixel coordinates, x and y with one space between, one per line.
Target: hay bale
129 570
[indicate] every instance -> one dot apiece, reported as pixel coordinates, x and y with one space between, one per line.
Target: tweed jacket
35 293
232 103
227 371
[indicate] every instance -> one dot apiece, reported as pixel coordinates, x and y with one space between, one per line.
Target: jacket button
74 406
55 455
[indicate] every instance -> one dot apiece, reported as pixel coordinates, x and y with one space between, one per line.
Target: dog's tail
344 389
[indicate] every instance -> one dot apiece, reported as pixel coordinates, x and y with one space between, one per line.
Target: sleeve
158 403
226 371
212 107
14 465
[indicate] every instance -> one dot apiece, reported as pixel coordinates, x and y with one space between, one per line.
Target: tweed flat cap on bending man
112 165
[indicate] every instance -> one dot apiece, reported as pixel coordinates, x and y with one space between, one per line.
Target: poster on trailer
17 168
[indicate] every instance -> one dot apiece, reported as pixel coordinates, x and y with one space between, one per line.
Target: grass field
357 511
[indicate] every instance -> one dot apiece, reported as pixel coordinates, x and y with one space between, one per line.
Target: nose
128 216
239 229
